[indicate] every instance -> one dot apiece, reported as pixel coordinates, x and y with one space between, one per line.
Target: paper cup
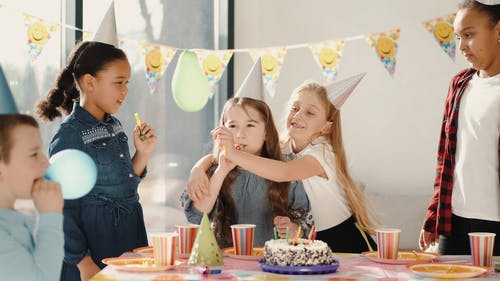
243 238
481 247
388 243
187 235
164 248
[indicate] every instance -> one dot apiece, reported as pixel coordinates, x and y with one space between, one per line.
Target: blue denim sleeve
75 243
144 173
299 207
192 214
67 137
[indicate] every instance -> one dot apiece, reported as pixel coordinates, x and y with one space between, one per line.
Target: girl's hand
149 139
223 137
282 223
427 239
47 196
225 165
198 184
87 268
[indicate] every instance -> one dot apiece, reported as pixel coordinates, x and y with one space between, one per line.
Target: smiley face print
155 60
443 32
212 65
269 64
327 57
385 47
38 33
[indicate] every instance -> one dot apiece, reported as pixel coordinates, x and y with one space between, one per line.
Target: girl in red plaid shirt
466 190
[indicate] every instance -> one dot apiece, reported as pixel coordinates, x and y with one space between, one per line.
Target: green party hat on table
205 250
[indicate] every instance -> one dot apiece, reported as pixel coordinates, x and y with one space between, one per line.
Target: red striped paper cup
481 247
388 243
243 238
164 248
187 235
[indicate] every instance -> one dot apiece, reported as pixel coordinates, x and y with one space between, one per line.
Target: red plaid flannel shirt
438 218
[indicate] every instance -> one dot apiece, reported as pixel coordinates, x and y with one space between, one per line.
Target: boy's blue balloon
74 170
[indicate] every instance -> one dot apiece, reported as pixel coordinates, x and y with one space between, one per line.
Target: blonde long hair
357 201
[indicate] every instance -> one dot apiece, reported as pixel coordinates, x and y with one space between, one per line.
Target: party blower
74 170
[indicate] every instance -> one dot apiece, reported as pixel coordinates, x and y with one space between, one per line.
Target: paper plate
146 250
404 257
136 264
446 270
299 270
257 254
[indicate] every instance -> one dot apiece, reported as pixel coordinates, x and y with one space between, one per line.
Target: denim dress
108 220
251 206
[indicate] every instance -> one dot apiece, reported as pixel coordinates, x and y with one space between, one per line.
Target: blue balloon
74 170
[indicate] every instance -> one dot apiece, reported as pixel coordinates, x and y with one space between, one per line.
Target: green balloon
190 86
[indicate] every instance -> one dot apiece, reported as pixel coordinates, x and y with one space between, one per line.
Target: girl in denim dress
109 220
237 196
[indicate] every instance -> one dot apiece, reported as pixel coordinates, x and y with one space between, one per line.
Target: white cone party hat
338 92
107 29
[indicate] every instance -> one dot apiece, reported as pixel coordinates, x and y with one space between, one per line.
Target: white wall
391 125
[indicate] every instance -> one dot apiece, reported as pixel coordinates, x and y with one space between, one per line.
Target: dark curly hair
87 57
492 11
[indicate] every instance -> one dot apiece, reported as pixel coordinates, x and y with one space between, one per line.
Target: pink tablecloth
352 267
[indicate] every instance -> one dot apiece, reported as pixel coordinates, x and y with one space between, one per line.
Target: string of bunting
327 54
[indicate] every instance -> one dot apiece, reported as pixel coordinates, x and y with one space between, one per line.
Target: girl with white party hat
316 155
238 196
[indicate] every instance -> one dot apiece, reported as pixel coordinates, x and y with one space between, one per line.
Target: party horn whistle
142 137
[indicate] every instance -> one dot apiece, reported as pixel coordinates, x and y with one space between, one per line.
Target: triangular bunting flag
338 92
213 64
271 63
87 35
106 33
156 60
253 85
205 250
39 32
7 103
442 29
385 45
327 54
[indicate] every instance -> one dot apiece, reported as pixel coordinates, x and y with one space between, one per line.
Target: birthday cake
304 253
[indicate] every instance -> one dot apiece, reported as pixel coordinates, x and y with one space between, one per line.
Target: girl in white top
339 209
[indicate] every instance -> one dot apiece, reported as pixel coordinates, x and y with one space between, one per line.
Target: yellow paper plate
144 250
404 257
136 264
257 253
446 270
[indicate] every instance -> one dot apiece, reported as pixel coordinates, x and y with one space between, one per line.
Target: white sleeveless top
329 206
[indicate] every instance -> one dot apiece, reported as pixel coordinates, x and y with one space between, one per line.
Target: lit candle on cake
297 235
312 234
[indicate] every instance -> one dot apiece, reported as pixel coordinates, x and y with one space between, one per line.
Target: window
183 136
